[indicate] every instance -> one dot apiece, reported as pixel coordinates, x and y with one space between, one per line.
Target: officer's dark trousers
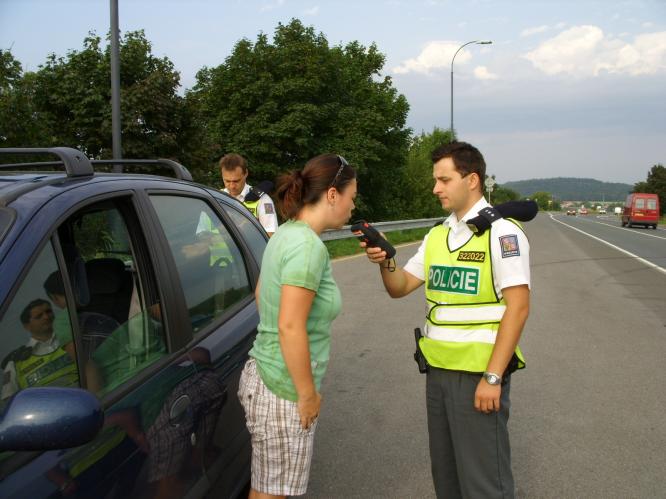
469 450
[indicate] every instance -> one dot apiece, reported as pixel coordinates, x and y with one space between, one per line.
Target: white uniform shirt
510 249
9 382
265 209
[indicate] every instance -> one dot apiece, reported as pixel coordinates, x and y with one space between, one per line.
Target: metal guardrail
344 232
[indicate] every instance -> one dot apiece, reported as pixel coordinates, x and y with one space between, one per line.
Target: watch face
492 379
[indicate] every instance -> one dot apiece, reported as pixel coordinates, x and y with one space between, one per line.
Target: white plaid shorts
281 448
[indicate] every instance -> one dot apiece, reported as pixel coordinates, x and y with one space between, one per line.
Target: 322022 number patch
472 256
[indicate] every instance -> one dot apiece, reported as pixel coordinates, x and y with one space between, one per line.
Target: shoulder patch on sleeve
268 208
509 245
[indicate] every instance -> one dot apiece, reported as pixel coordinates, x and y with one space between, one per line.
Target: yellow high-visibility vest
463 309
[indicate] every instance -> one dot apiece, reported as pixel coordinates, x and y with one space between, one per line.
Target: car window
639 204
33 351
254 237
116 302
210 265
651 204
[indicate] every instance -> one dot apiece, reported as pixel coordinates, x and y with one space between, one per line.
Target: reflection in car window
116 306
210 266
651 204
640 204
33 353
251 233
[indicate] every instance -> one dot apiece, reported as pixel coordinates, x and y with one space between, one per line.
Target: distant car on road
602 211
571 212
582 211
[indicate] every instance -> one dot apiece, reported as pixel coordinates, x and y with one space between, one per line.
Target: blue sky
568 88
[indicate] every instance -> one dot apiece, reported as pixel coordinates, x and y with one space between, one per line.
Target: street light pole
115 84
478 42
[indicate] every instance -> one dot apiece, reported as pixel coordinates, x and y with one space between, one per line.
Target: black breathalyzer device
369 235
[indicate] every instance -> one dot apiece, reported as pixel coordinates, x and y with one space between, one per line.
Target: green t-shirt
62 327
294 256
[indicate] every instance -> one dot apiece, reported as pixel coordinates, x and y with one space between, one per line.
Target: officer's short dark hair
54 285
466 158
232 161
27 311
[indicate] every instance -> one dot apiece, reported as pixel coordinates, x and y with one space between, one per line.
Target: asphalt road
587 414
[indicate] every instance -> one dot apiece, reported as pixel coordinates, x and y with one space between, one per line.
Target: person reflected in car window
42 361
62 328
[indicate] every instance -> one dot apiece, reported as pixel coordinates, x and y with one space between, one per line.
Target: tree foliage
68 101
418 182
502 194
20 125
543 199
654 184
280 103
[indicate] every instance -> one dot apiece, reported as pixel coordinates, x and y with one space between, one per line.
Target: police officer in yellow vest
233 169
477 291
42 361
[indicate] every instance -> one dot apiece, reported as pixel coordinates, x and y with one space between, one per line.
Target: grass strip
350 246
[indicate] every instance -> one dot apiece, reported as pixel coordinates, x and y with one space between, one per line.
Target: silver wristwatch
492 378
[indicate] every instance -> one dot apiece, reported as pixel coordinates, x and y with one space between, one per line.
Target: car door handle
179 410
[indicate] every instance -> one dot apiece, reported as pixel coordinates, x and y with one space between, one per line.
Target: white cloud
560 25
435 55
585 51
647 24
482 73
270 6
533 31
312 11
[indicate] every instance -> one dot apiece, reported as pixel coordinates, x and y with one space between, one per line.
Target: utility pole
115 85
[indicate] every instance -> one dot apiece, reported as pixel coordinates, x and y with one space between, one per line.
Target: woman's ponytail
289 193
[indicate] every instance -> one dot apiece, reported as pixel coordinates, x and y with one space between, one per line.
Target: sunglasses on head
343 163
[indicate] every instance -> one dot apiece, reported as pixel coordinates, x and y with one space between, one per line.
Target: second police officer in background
234 172
477 295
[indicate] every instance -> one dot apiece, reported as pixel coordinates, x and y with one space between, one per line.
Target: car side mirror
46 418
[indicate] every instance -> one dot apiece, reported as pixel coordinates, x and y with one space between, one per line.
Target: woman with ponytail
297 300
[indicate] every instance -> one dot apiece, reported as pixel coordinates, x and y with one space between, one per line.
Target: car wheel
624 223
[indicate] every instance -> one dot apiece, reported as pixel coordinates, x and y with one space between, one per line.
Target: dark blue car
126 314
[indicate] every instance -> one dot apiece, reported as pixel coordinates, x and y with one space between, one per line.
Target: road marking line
630 230
642 260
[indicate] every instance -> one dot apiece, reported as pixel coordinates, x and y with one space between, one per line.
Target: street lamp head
485 42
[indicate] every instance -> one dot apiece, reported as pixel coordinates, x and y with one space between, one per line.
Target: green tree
20 125
502 195
281 103
418 182
543 199
73 95
655 184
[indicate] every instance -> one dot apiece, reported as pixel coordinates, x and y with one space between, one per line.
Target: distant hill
572 189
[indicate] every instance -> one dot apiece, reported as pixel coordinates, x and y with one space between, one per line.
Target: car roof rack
179 170
76 163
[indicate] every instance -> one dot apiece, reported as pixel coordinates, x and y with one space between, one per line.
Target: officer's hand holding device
373 239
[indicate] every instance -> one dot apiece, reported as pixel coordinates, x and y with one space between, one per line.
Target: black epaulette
253 195
485 218
21 353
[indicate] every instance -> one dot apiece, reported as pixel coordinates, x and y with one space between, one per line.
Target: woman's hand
308 409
